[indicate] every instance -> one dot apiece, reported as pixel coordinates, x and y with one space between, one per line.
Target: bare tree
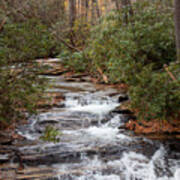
177 26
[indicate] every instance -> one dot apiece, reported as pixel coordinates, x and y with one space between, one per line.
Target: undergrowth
25 35
135 53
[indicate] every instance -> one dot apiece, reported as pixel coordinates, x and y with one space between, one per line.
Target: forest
115 41
132 46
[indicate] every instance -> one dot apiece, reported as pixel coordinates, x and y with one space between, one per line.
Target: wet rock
68 124
54 67
51 99
69 121
7 173
79 75
48 121
54 72
53 155
69 79
4 158
86 79
6 141
174 146
82 151
6 138
35 173
127 117
123 98
122 111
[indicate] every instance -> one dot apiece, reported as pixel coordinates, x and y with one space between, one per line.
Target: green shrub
156 95
51 134
135 53
48 12
75 61
20 89
26 41
123 49
20 85
28 34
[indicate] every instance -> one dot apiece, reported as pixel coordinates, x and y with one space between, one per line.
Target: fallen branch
105 79
2 23
170 73
68 45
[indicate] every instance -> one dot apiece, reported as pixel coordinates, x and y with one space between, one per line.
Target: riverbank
153 129
94 143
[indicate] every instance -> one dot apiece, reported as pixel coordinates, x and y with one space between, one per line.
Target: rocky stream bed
94 144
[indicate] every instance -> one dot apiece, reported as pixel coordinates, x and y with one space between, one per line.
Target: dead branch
105 79
68 45
170 73
2 23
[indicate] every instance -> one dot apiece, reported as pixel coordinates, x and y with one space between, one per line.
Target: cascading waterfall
92 145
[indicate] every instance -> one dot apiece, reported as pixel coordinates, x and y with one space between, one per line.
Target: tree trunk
92 13
82 8
177 26
126 5
78 8
87 10
72 12
72 18
95 5
97 9
117 4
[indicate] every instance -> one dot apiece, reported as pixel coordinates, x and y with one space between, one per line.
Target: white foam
137 166
98 109
90 103
100 177
177 174
71 102
29 136
124 137
115 121
95 163
159 154
103 133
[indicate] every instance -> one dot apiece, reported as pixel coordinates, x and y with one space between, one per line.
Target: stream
93 143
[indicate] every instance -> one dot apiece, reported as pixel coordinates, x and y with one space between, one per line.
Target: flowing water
93 144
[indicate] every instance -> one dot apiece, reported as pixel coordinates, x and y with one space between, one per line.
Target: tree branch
68 45
170 73
2 23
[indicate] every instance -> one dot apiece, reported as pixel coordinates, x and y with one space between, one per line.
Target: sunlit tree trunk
117 4
87 9
97 8
82 8
72 12
92 12
95 11
78 8
177 26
